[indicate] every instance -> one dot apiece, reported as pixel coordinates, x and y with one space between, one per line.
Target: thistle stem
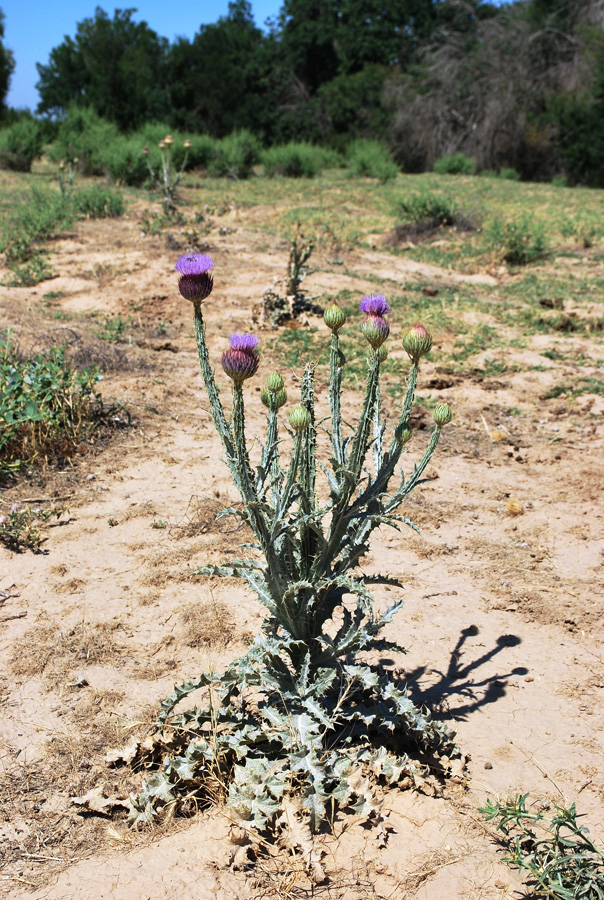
335 400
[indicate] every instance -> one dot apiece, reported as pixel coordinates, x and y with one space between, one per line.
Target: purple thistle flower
195 282
376 329
374 305
197 264
245 342
242 360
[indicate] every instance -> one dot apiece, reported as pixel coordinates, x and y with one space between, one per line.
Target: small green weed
517 242
31 272
22 527
97 202
556 853
113 329
295 160
46 408
32 222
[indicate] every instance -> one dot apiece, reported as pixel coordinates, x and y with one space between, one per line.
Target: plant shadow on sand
460 681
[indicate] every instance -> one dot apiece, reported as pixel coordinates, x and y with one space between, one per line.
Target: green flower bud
382 353
341 360
442 415
273 399
334 317
280 398
299 419
417 342
403 435
376 329
274 382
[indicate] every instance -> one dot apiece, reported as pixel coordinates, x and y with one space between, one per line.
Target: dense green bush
236 155
21 144
372 159
296 160
124 161
518 241
96 201
84 136
437 209
455 164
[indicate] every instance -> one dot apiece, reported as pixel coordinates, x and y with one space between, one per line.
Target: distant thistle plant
167 177
301 717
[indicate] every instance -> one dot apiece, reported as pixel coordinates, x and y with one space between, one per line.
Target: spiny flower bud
417 342
242 360
276 398
442 415
187 144
341 360
334 317
299 419
403 435
274 382
168 140
382 353
195 283
376 330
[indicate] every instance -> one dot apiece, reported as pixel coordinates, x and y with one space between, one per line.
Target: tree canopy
7 64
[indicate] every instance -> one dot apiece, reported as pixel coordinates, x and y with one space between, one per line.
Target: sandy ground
502 617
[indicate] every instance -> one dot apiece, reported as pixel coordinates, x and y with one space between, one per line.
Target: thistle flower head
187 144
195 283
442 415
334 317
242 360
273 399
299 419
374 305
146 150
161 145
274 382
376 329
168 140
244 342
417 342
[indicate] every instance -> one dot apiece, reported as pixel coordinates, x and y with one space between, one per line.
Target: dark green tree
117 66
7 64
220 81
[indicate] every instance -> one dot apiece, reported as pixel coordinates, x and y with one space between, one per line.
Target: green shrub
488 173
97 202
124 161
201 151
85 136
236 155
371 159
455 164
46 213
437 209
295 160
560 181
509 174
21 144
46 408
517 242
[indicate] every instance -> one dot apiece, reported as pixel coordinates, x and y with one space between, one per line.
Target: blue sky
34 27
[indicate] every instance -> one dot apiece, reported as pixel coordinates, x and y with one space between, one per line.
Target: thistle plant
167 177
308 715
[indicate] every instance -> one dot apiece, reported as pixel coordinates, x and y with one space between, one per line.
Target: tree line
518 85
